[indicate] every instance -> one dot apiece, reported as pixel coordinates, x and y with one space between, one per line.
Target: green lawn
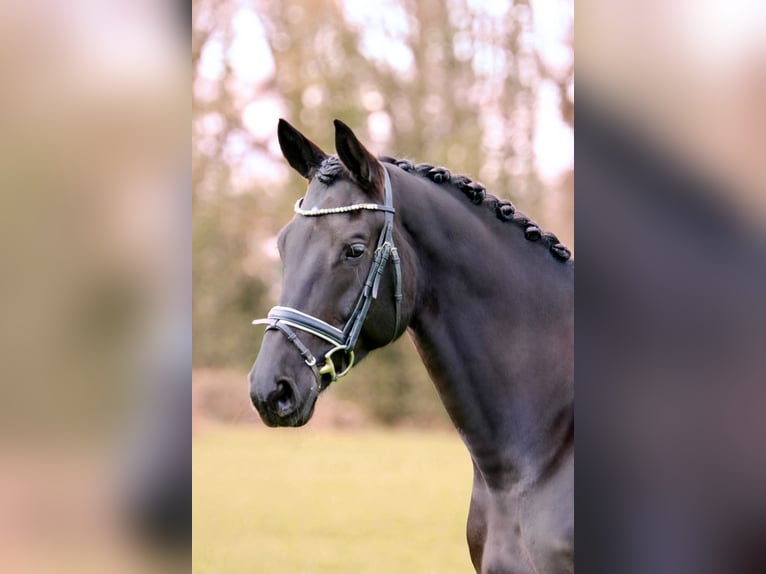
290 501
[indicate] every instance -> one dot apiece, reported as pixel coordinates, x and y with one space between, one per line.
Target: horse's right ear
301 153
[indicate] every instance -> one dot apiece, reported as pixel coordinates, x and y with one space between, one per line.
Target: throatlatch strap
397 290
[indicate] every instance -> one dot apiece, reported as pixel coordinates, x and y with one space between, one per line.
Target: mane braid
477 193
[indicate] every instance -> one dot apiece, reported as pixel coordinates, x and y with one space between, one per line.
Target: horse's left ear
364 166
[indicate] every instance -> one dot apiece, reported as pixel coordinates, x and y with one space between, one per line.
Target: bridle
344 340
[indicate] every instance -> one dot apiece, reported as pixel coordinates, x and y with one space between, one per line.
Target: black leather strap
306 322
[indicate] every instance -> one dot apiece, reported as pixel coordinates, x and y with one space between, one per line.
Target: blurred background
483 87
95 296
671 272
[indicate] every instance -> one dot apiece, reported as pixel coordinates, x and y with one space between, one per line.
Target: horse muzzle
284 398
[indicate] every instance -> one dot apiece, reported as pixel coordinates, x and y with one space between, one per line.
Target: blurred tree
450 83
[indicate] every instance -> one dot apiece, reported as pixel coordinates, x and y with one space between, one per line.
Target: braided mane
332 167
477 193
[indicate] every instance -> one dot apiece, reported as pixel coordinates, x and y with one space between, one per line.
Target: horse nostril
282 400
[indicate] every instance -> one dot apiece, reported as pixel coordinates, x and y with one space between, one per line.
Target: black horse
378 247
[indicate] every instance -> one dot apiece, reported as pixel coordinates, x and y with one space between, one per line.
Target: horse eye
354 251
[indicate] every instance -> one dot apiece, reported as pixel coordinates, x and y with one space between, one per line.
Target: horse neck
493 324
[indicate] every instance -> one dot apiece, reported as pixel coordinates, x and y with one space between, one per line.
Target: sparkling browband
345 209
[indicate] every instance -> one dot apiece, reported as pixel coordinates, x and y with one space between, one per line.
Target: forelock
330 169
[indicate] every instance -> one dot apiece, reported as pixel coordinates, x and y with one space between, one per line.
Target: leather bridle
344 340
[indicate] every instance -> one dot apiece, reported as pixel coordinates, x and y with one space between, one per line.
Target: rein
344 340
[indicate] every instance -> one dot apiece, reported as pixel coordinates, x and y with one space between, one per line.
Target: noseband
344 340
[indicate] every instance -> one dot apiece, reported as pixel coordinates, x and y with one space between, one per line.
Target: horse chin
301 417
297 418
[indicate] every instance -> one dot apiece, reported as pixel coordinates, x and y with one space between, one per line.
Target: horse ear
365 168
300 152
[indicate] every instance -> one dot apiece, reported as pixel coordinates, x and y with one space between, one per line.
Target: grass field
287 501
